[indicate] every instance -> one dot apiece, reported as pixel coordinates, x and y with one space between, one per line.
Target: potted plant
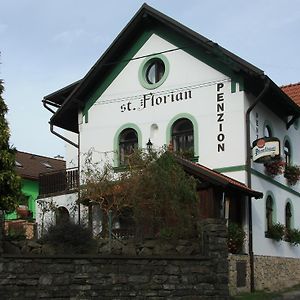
292 174
236 237
22 211
293 236
274 167
276 232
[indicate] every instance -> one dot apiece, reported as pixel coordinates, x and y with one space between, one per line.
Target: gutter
248 170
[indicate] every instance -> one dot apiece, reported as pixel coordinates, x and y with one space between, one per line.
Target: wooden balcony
58 182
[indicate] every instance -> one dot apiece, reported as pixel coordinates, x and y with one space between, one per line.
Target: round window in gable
153 71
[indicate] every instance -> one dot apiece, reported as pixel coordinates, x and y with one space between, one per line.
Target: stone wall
270 273
120 276
275 273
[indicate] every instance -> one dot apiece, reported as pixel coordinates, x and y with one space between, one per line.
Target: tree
10 182
161 196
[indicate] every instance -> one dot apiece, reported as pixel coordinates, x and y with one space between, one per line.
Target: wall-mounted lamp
149 145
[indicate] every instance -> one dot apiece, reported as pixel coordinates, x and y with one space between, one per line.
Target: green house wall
30 189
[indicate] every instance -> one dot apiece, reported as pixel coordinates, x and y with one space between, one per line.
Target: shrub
292 174
236 237
274 167
70 238
276 232
293 236
16 231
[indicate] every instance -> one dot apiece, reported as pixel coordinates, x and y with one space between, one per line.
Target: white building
163 82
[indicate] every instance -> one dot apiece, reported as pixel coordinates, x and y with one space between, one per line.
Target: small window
153 71
19 165
288 216
287 152
269 212
47 165
267 131
128 143
183 136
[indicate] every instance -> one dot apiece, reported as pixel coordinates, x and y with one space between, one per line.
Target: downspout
248 170
62 137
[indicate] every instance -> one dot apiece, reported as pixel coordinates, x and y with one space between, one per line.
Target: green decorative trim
263 176
274 215
278 184
124 60
195 127
86 117
233 86
296 124
116 140
268 123
241 85
120 169
231 169
287 138
194 159
144 66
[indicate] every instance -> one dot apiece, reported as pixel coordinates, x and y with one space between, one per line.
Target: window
153 71
287 152
288 216
128 143
267 131
183 136
269 212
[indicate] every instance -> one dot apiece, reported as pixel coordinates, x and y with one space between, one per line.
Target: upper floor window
153 71
183 136
128 143
268 131
287 152
288 216
269 212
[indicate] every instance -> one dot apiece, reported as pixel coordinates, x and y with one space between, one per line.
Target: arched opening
183 136
288 216
287 152
128 143
62 215
269 212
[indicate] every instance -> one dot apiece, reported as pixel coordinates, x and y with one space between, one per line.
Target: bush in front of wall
292 174
293 236
276 232
274 167
69 238
236 237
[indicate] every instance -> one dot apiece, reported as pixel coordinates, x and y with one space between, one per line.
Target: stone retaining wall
270 273
122 277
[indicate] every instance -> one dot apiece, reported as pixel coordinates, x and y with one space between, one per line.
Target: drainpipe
62 137
248 170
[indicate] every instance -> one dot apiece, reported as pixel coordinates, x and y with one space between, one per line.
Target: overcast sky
46 45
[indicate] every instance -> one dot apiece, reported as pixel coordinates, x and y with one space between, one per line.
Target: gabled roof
76 95
293 91
216 178
29 165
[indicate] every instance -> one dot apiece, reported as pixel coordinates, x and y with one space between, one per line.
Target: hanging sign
265 149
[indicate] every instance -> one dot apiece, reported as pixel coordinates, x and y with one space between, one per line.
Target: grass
261 295
264 295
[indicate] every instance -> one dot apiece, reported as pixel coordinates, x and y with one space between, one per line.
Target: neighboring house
28 167
159 83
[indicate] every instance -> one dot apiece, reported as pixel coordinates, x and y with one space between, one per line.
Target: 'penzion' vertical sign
220 111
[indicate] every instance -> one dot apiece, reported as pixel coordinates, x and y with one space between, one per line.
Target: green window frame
144 69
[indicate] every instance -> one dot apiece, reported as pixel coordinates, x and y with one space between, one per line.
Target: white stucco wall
187 73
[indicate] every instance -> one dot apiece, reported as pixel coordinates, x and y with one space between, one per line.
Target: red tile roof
293 91
216 178
29 165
